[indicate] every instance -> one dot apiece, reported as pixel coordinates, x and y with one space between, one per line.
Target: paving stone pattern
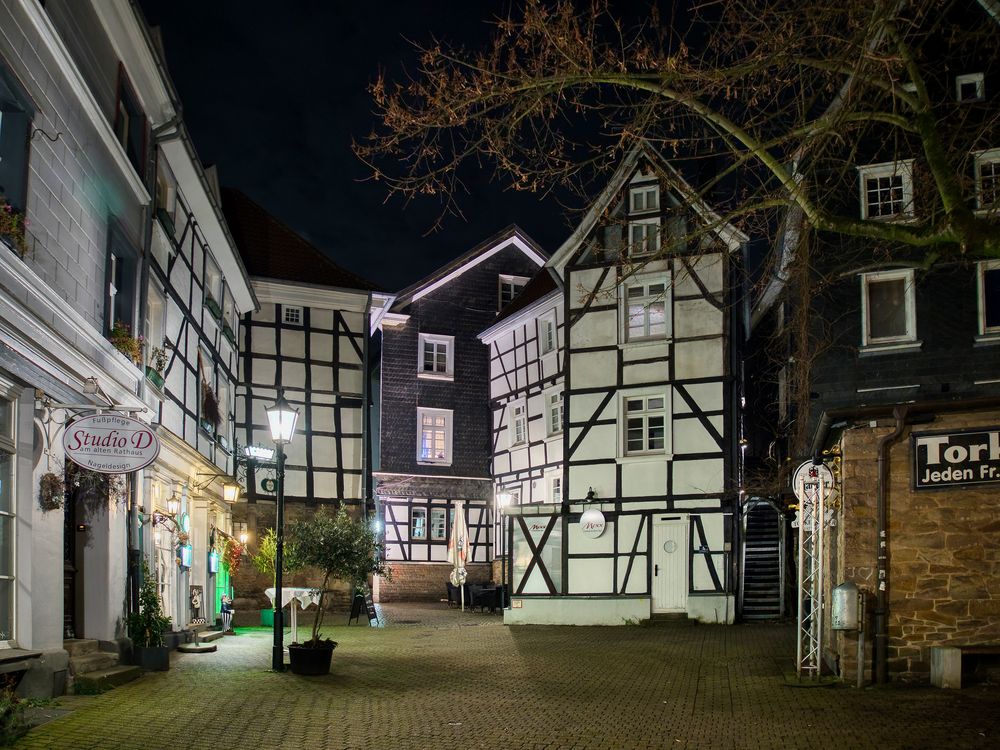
442 679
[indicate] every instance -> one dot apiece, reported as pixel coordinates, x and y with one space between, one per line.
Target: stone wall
425 582
944 552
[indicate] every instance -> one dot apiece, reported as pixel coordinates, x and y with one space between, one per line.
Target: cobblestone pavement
438 679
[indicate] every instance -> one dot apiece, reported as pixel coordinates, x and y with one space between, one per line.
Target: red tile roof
272 250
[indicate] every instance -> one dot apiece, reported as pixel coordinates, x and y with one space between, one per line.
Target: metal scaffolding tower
813 483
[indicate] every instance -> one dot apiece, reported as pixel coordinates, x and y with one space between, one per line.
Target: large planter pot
311 660
154 377
155 658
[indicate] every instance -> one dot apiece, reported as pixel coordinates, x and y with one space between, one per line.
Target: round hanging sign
592 523
110 443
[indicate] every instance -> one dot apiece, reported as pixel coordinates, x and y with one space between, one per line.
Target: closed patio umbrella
458 549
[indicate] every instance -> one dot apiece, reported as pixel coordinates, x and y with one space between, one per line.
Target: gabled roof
272 250
512 235
726 232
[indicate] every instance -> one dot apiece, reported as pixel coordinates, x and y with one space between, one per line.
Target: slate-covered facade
435 438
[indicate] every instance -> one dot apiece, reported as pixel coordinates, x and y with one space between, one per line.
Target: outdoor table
304 597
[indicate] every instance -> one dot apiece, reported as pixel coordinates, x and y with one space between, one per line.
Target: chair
454 597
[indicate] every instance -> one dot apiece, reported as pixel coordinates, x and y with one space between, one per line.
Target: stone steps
100 680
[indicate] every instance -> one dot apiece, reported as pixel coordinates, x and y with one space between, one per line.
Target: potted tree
146 627
267 549
340 548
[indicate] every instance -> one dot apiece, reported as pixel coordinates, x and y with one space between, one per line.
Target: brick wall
944 552
425 582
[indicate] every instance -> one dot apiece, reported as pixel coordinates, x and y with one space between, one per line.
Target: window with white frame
555 488
291 315
510 287
547 333
518 422
970 87
645 423
987 166
645 305
439 523
418 523
213 282
887 190
644 198
156 317
888 308
644 236
553 412
8 451
988 284
434 436
436 356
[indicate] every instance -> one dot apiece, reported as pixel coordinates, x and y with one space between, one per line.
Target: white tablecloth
304 597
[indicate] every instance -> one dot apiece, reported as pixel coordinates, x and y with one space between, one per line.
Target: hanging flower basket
51 492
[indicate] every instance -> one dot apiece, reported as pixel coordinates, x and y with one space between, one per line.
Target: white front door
669 561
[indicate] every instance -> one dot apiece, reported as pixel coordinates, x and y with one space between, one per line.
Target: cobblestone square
434 678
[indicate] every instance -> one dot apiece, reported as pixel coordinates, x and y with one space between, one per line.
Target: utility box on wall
845 607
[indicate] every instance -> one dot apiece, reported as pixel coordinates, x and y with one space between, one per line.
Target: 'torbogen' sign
955 458
110 443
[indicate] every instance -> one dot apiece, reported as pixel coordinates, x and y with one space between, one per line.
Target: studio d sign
949 459
110 443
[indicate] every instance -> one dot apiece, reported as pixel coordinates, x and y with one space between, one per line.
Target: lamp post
503 500
281 419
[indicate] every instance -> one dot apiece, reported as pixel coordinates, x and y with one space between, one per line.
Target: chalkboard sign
363 602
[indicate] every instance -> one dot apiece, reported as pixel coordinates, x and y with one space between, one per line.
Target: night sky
273 93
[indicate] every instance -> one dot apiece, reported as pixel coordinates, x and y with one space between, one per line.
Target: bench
946 662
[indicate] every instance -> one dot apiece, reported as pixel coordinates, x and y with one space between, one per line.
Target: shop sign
592 523
110 443
950 459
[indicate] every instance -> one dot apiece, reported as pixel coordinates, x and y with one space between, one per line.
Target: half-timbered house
624 355
435 435
310 339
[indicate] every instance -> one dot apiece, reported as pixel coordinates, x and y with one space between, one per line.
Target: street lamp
281 418
230 492
503 500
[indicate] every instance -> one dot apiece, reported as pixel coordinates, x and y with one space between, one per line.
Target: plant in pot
122 339
146 627
339 547
157 364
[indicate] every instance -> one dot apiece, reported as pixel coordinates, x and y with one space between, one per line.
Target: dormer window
644 198
970 87
510 287
887 190
644 236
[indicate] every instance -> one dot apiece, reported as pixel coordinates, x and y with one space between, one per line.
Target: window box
227 331
222 441
154 377
207 427
213 307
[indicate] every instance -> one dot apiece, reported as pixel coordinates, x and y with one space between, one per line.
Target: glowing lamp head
243 538
281 419
173 505
503 498
230 492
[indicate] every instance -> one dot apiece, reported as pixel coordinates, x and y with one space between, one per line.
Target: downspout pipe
880 655
366 408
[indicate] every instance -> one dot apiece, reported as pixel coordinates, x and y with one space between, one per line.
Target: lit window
887 190
970 87
434 436
645 308
292 316
436 356
644 236
439 523
887 302
518 423
547 334
554 412
988 284
644 198
510 287
645 424
987 167
418 523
